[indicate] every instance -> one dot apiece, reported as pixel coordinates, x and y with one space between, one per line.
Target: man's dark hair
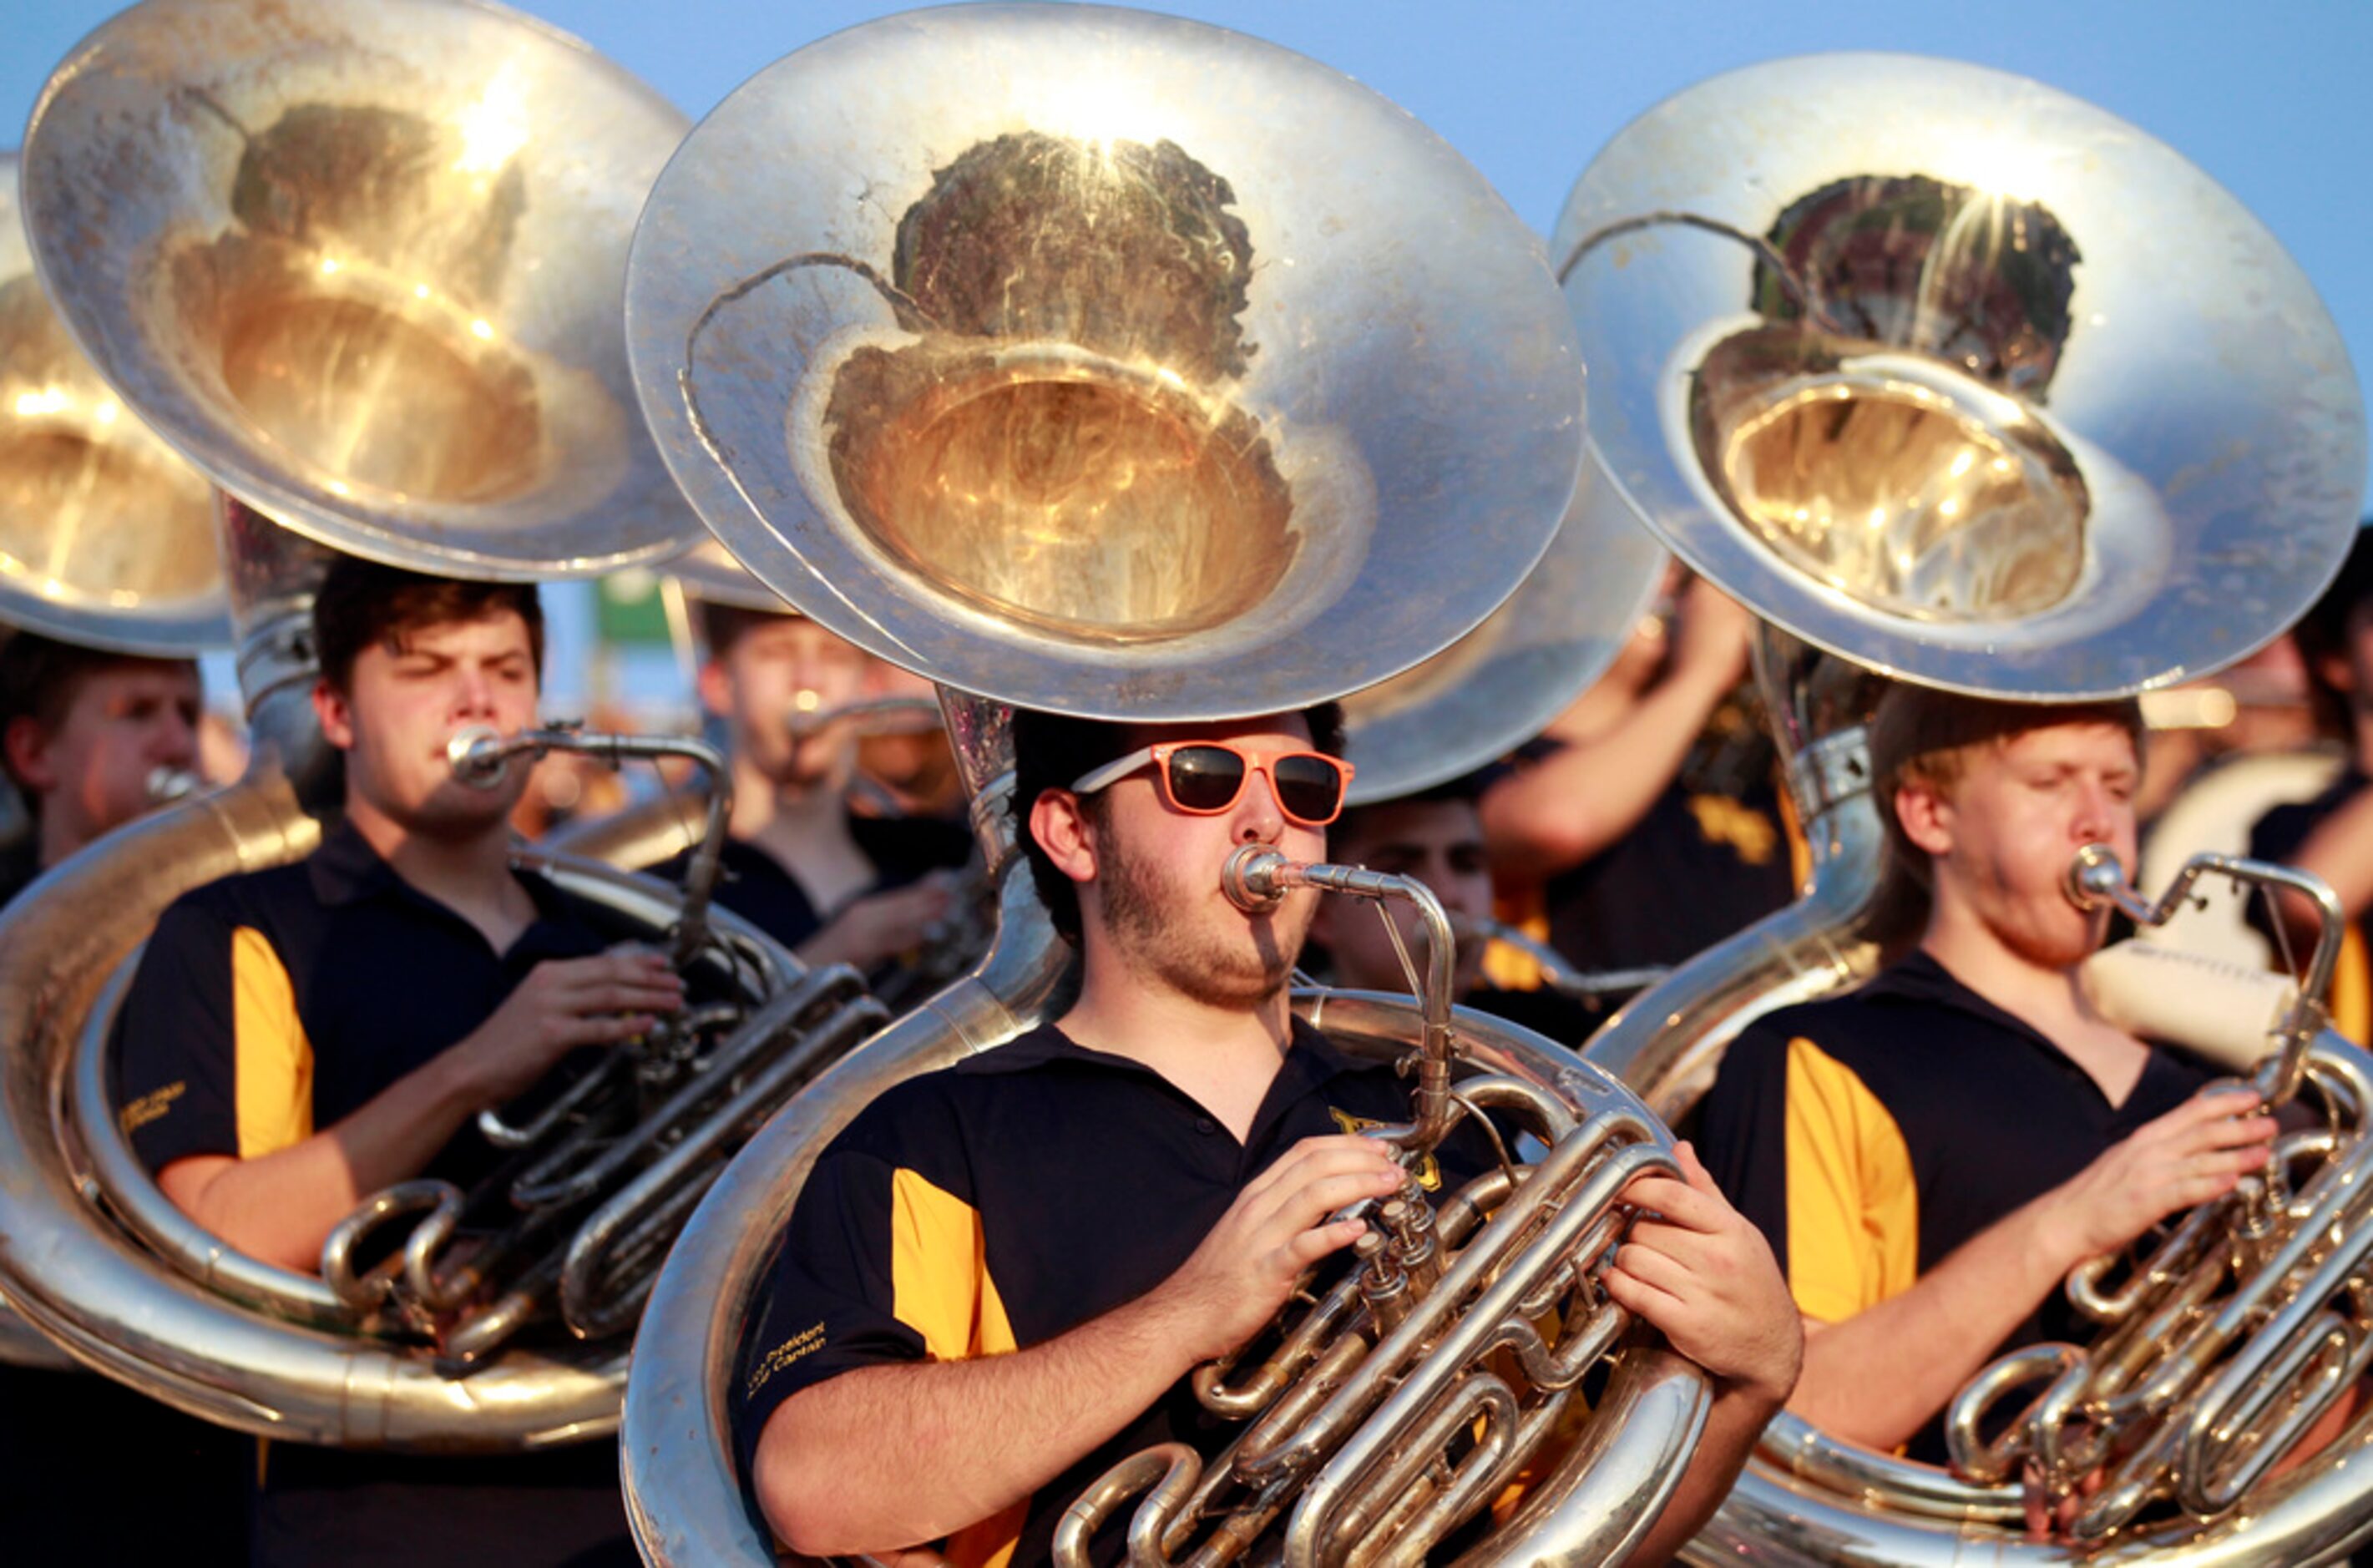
41 677
364 604
722 625
2322 632
1050 750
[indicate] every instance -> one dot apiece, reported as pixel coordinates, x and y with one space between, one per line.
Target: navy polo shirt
1869 1135
757 887
272 1004
1000 1203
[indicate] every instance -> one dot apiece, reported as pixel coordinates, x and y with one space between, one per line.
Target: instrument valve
1384 1284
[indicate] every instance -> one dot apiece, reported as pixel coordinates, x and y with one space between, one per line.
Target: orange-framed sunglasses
1204 777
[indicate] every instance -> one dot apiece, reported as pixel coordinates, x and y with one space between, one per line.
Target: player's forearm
281 1207
1732 1426
1881 1375
890 1457
1572 805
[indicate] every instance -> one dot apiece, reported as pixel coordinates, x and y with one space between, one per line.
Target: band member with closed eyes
1930 1156
301 1037
999 1278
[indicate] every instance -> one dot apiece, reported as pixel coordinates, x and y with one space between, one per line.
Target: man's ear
336 713
1059 822
716 689
1926 816
2337 672
26 746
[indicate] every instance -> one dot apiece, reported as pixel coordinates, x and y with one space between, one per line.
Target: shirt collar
1308 1051
1921 978
346 870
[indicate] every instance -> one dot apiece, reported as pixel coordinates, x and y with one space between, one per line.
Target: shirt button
1205 1124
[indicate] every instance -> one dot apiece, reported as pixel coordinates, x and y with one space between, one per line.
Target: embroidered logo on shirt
782 1355
1429 1174
151 1106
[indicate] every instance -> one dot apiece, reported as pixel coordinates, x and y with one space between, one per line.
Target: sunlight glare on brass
106 537
383 303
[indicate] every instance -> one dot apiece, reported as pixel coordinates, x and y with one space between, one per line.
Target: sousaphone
1955 378
107 539
358 262
1117 366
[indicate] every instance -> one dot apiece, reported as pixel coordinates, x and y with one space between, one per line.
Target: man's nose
175 741
2097 814
474 693
1260 819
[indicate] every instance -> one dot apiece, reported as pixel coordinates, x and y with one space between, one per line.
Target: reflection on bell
1890 487
325 335
1863 470
106 537
1051 449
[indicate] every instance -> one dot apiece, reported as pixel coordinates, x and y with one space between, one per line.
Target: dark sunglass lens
1310 788
1205 779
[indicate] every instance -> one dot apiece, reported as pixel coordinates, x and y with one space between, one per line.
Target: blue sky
2275 106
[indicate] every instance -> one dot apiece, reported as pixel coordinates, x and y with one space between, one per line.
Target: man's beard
1144 910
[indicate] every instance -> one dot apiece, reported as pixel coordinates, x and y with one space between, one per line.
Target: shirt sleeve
1809 1153
211 1058
883 1261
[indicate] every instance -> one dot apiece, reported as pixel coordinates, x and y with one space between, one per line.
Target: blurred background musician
1436 836
1633 861
298 1039
834 885
85 733
2332 834
98 693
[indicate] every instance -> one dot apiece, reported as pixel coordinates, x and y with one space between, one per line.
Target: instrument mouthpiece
476 755
2095 878
1253 879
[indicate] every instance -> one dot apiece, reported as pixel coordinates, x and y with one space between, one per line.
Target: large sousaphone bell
358 262
1968 383
1108 364
107 538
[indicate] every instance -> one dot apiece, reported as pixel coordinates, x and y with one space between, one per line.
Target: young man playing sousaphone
997 1281
1932 1153
298 1039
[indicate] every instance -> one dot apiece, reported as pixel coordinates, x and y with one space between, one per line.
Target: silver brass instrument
2233 1331
601 1174
1359 1419
1899 354
358 262
1096 401
107 539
